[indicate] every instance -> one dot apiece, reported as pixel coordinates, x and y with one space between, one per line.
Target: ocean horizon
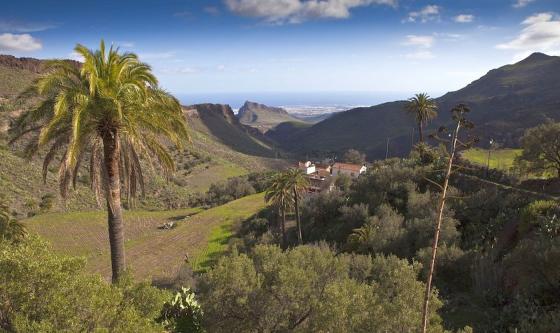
297 100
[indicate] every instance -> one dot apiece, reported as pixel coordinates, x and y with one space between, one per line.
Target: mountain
262 116
504 103
221 148
219 122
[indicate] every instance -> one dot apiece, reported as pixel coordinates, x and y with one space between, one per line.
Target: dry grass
151 253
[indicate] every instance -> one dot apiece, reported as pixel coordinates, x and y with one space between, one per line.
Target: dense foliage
541 148
44 292
311 289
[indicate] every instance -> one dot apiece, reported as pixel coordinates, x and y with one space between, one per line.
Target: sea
303 104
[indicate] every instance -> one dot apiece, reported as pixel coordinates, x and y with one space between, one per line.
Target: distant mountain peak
536 57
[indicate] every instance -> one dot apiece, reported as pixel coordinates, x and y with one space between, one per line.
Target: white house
352 170
307 167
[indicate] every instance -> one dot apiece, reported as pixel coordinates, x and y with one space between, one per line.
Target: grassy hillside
365 129
151 252
221 148
14 80
501 159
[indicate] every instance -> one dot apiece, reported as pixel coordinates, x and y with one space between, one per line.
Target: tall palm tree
111 111
424 109
279 195
297 182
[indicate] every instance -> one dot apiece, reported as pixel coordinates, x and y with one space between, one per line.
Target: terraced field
501 159
152 253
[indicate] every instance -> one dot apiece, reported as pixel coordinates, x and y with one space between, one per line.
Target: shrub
183 313
47 202
232 189
44 292
309 289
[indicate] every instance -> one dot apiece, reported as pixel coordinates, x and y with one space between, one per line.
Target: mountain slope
262 116
504 103
221 148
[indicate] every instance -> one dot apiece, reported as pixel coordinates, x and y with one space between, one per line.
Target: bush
47 202
44 292
383 233
183 313
309 289
453 267
232 189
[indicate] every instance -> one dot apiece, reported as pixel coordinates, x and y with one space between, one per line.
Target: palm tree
111 111
424 109
297 182
280 195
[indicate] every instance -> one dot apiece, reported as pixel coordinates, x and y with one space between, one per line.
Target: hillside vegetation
221 148
501 159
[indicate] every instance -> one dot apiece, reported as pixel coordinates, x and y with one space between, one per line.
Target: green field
151 253
501 159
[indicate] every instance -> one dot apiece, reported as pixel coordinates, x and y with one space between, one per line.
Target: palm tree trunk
420 133
111 150
284 238
298 220
437 231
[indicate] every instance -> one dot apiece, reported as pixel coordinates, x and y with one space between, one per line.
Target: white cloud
464 18
419 41
420 55
296 11
449 37
428 13
19 42
75 56
540 34
24 27
522 3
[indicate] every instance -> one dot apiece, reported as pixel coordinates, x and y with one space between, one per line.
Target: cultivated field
151 253
501 159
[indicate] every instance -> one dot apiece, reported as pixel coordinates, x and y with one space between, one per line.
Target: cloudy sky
293 45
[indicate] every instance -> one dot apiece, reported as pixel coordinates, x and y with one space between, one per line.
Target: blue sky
293 45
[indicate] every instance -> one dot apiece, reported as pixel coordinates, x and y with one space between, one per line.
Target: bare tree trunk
420 133
298 220
111 149
437 231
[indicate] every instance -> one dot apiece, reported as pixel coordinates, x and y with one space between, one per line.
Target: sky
236 46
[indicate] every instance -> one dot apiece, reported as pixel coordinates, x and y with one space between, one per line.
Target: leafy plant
183 314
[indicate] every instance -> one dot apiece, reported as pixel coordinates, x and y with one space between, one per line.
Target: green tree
111 110
541 148
44 292
354 156
298 183
424 109
311 289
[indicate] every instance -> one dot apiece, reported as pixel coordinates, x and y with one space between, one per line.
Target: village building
307 167
352 170
319 176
